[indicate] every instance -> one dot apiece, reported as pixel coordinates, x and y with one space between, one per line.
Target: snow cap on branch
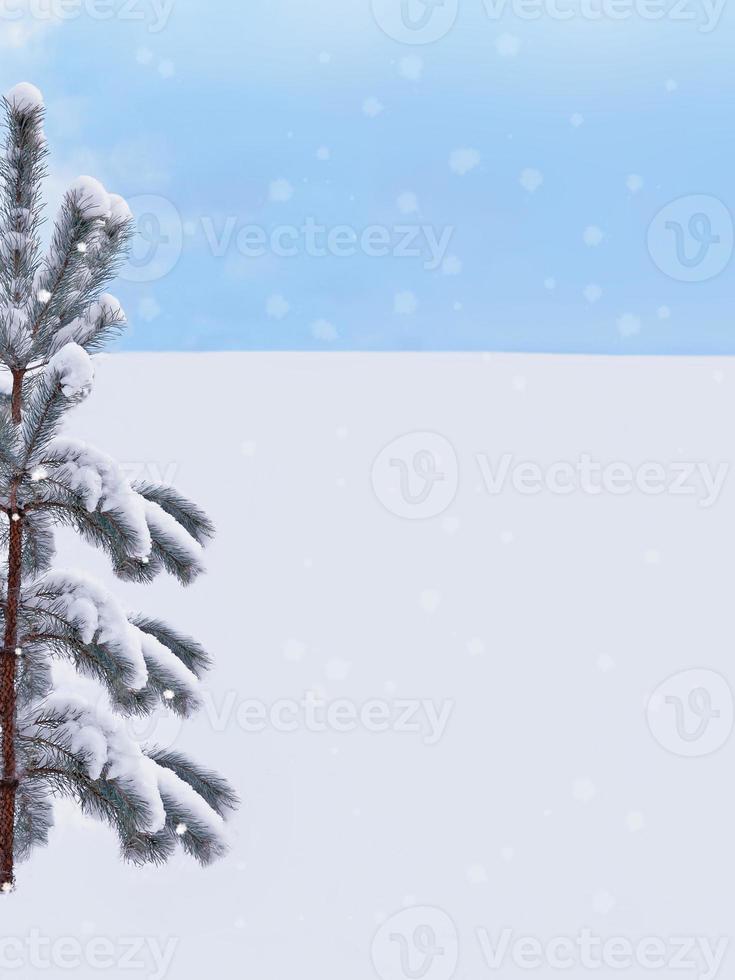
163 662
91 197
25 97
99 738
167 531
81 716
119 209
82 328
72 366
181 796
94 201
99 617
101 483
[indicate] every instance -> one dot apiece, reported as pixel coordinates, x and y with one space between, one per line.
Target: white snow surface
547 620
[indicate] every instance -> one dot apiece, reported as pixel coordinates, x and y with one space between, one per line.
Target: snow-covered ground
434 666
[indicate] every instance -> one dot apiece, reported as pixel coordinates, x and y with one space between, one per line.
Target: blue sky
304 178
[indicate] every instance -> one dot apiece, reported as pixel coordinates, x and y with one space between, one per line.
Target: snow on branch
72 367
90 731
97 616
172 544
99 320
24 98
100 483
77 719
165 668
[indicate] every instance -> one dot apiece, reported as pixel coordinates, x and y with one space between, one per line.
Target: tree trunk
9 781
17 396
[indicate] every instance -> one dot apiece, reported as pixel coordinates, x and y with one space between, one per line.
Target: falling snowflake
451 266
584 790
280 190
592 236
277 307
531 179
628 325
372 107
462 161
324 330
407 202
148 309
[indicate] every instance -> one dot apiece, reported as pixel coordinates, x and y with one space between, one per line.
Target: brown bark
16 400
9 780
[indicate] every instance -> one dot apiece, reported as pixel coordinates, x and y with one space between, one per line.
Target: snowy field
472 618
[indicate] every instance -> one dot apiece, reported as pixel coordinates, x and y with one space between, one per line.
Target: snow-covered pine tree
74 663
